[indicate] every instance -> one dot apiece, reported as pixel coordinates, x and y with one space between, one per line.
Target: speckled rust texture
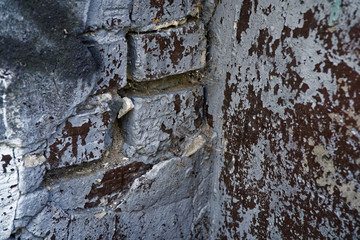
291 122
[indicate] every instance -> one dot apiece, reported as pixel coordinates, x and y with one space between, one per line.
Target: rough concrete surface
169 52
162 119
159 125
288 160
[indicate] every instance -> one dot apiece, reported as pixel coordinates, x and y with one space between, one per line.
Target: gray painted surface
169 52
63 175
261 144
284 95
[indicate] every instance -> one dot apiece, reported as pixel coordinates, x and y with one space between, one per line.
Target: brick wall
71 167
192 119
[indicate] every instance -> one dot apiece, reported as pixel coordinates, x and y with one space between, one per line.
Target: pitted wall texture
67 68
162 119
287 164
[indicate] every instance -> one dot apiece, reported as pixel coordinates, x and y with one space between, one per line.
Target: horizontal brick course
86 136
169 52
151 13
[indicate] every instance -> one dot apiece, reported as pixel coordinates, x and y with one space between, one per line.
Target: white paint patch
6 77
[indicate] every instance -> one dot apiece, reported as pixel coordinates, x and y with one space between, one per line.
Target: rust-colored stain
198 106
110 78
243 22
115 181
309 158
168 131
5 159
74 133
177 103
158 4
106 118
177 53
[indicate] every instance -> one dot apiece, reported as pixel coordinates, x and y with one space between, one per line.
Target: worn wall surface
284 97
102 128
163 119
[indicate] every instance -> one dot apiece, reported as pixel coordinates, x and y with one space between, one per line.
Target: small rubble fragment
126 107
197 143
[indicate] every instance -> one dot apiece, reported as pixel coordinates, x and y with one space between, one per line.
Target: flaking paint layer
287 162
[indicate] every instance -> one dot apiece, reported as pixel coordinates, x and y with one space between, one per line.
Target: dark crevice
163 85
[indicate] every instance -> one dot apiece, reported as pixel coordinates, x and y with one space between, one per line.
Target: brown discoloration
243 22
284 169
106 118
209 117
162 43
110 77
159 4
168 131
198 106
178 52
115 181
6 161
74 133
177 104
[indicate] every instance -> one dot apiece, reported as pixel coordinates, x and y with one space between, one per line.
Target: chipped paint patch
32 160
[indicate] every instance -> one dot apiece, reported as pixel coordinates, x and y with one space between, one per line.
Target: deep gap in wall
163 85
166 26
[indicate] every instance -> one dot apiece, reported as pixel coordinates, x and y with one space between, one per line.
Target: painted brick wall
192 119
71 167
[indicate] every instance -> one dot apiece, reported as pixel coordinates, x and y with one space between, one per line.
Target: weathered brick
151 13
51 223
32 203
111 54
30 178
95 189
108 14
166 183
158 124
172 221
46 70
173 51
9 193
84 137
93 224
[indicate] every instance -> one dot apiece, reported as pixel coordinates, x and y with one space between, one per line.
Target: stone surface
108 14
126 107
31 204
94 189
172 51
85 225
171 221
285 101
30 178
158 125
50 223
110 52
9 193
149 14
196 144
166 183
45 73
33 160
85 136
